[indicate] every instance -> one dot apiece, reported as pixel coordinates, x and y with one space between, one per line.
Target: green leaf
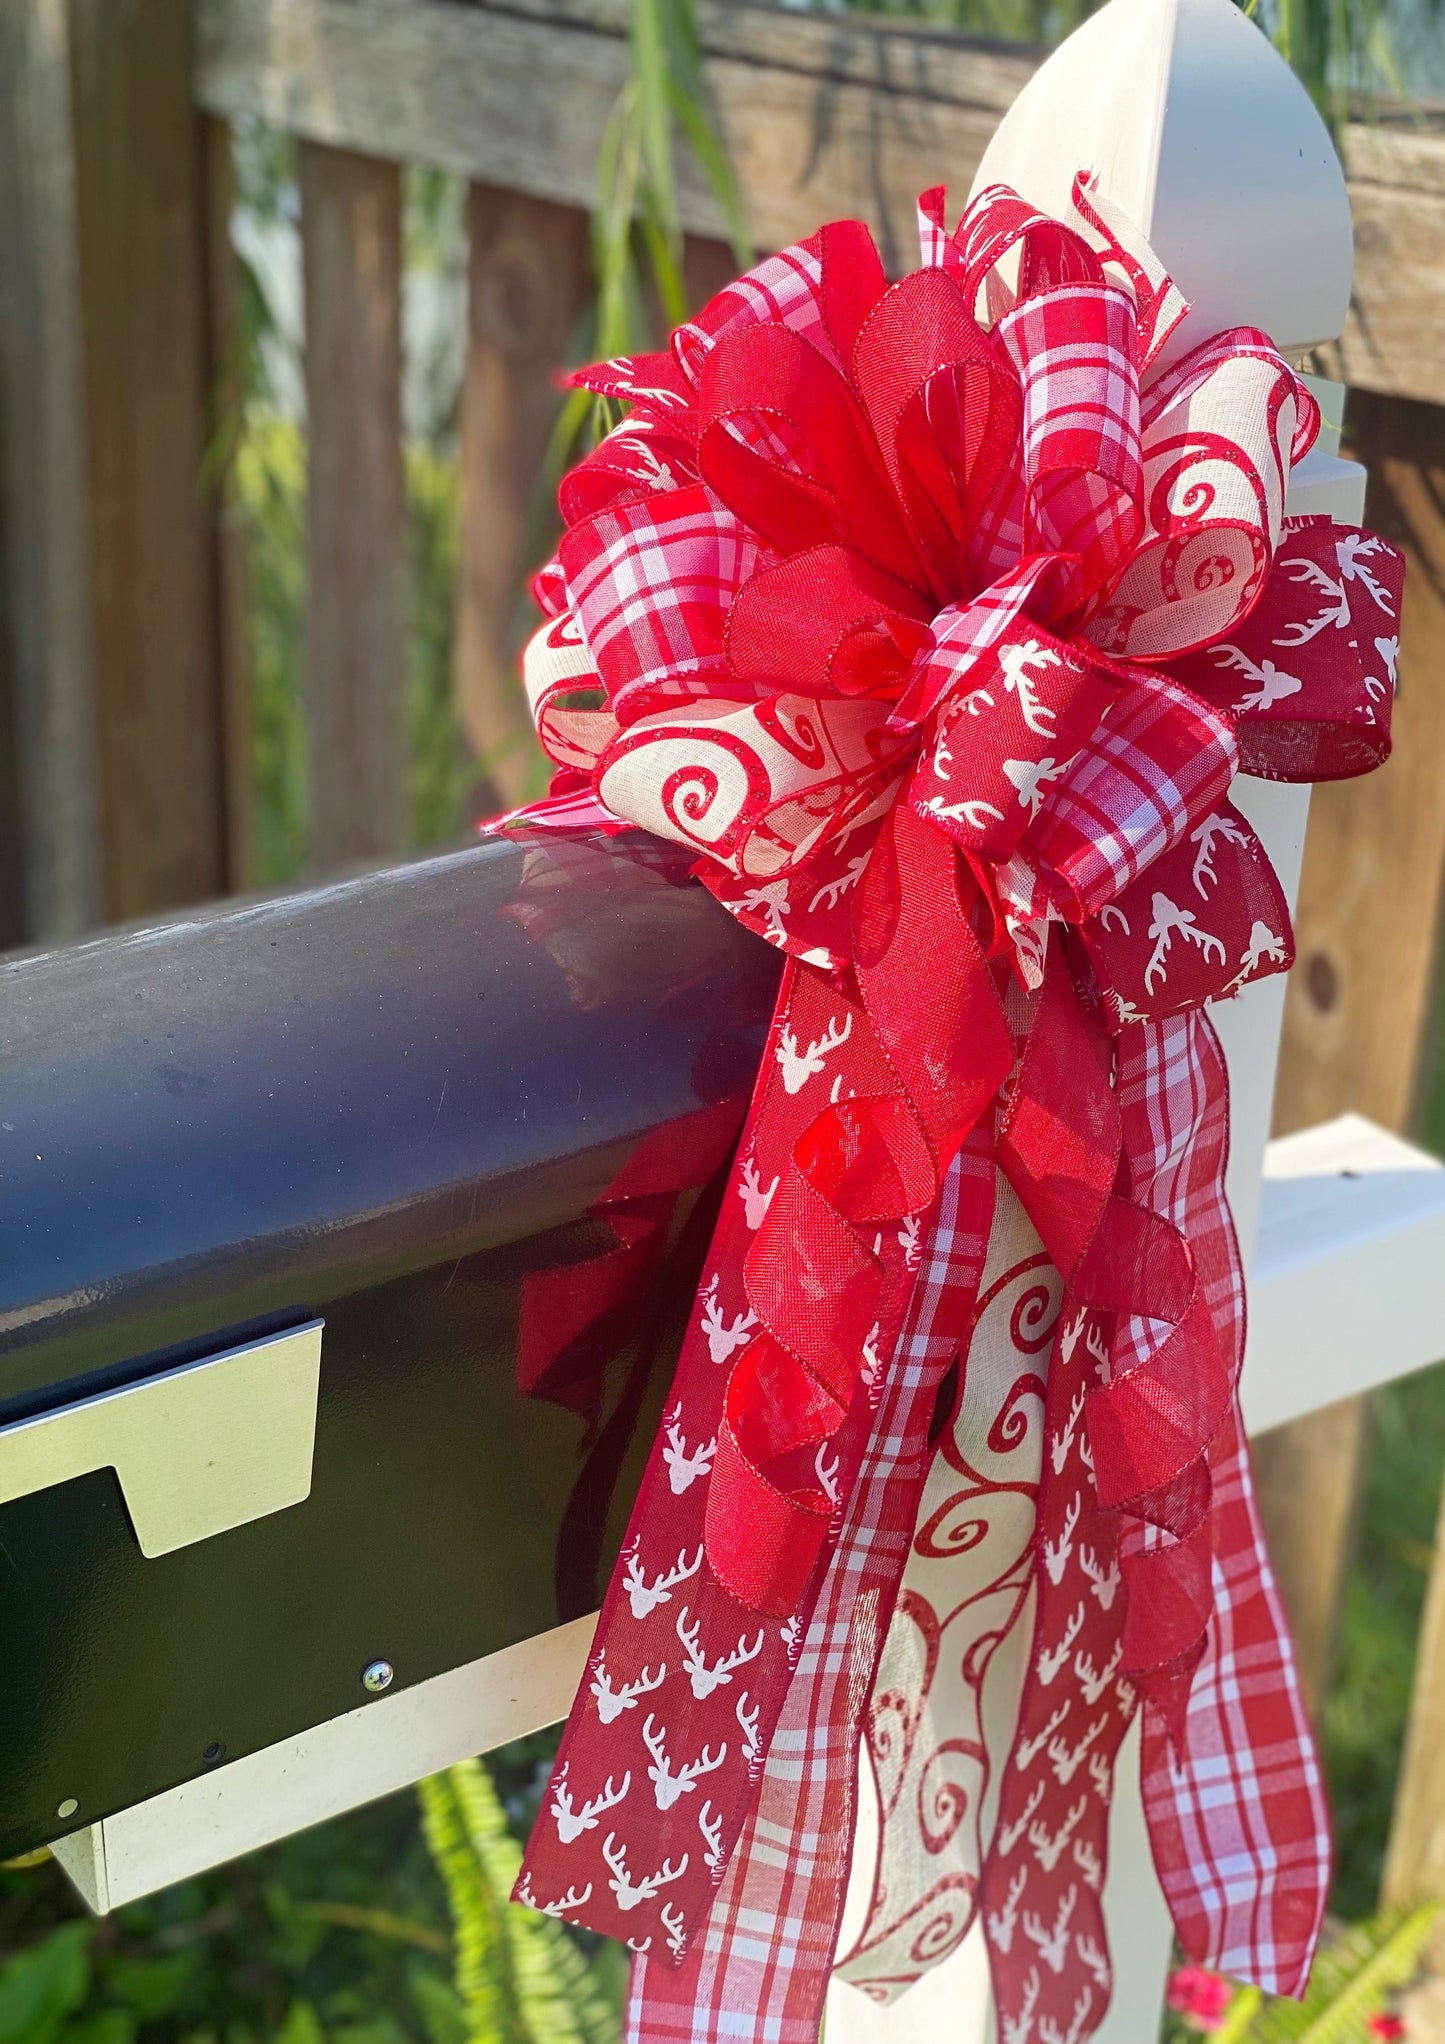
707 146
39 1988
1242 2010
650 76
106 2026
549 1970
302 2025
484 1979
534 1973
150 1987
379 2029
439 2006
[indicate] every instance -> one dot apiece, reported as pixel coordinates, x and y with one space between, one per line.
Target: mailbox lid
202 1123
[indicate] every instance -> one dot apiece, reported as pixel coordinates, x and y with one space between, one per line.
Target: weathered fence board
528 281
1397 192
104 390
823 115
146 373
356 664
1402 878
46 567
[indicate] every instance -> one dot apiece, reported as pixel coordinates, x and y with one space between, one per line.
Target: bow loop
826 620
1303 709
1000 222
1031 701
1220 431
1074 352
944 410
1207 919
1159 761
782 442
651 584
756 786
1159 305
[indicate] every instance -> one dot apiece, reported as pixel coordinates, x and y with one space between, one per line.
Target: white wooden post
1200 131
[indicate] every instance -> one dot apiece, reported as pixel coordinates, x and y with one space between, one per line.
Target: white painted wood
385 1745
1249 1027
1325 1327
1188 116
198 1450
1206 139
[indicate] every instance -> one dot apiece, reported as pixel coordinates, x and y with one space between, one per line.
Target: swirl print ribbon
937 619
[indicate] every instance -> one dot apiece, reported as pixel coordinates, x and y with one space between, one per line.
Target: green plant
43 1990
637 234
341 1935
520 1978
270 489
1340 48
1355 1976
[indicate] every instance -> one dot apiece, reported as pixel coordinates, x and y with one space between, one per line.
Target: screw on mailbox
377 1675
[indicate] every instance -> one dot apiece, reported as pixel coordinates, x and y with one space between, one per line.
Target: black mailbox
381 1106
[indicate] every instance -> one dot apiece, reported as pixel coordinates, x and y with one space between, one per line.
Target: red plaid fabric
1238 1823
1075 355
1160 761
759 1971
785 287
933 227
651 584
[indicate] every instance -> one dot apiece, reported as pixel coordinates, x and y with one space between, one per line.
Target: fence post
111 590
141 215
356 625
1383 974
527 285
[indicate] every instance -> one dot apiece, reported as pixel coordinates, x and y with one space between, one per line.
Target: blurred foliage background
391 1926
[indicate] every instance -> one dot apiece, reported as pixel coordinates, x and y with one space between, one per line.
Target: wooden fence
124 718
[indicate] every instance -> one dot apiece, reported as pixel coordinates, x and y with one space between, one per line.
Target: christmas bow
937 620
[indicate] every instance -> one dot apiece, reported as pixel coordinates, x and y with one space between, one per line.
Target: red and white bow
937 619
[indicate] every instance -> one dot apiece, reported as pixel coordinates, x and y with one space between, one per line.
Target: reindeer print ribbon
937 619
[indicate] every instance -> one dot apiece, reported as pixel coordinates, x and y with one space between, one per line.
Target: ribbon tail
970 1567
1246 1712
770 1988
1246 1876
